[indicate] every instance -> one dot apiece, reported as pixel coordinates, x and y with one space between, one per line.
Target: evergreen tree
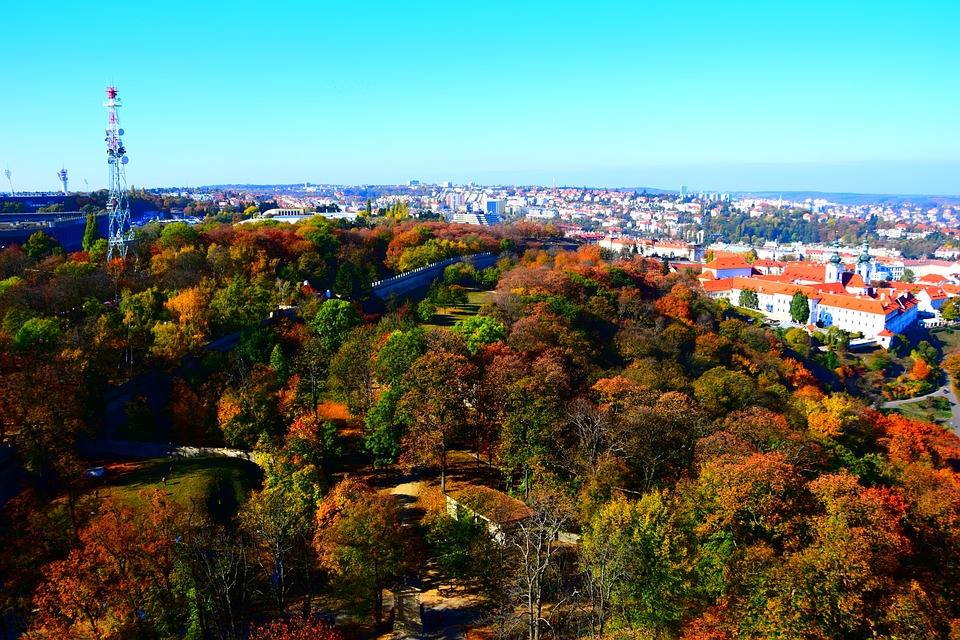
90 232
799 308
280 364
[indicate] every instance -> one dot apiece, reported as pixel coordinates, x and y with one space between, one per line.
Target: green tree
721 390
425 310
41 335
279 521
39 245
98 250
799 308
398 354
479 331
280 364
748 299
240 304
384 428
351 369
633 555
349 281
908 276
90 232
177 235
333 322
951 309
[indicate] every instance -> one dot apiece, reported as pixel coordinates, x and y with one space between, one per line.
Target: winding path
945 391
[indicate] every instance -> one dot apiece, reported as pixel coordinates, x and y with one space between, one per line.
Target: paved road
946 391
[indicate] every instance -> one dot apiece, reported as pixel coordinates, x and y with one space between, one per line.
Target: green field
448 316
929 409
217 486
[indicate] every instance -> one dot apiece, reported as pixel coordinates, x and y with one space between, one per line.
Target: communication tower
121 234
62 174
9 175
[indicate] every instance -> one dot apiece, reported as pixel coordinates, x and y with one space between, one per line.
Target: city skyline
745 98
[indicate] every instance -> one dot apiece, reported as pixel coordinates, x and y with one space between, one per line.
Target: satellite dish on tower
120 131
125 160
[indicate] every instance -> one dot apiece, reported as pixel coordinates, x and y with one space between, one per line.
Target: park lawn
928 409
216 485
948 338
449 316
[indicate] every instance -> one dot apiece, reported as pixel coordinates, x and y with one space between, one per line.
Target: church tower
833 270
863 264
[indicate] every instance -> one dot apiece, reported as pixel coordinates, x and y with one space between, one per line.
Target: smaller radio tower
62 174
9 175
121 234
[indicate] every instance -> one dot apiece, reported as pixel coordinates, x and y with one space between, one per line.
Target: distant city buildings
849 296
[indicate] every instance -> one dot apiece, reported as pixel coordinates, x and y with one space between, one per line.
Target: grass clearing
449 316
216 485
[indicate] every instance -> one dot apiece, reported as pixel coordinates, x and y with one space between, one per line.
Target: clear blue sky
833 95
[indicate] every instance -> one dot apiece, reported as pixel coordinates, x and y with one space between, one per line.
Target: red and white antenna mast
121 234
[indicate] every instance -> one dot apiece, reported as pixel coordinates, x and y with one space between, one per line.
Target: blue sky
838 96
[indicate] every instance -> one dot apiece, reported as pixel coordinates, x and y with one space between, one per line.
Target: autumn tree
440 391
249 411
360 541
119 580
294 629
838 582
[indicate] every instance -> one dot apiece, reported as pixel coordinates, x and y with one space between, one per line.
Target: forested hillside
661 467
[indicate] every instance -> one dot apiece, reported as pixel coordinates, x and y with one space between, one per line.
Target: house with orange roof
728 267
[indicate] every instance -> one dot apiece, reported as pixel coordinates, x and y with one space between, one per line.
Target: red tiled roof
831 287
856 280
731 262
814 271
882 306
